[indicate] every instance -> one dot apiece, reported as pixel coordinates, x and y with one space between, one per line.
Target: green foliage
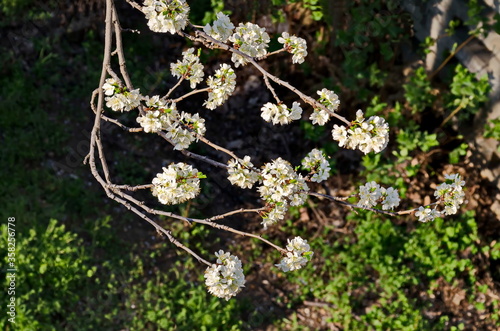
206 11
418 91
170 302
458 152
409 140
314 6
51 269
466 91
492 130
372 277
11 7
374 29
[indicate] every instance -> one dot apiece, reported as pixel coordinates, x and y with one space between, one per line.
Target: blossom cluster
328 99
188 68
166 15
299 253
119 98
427 214
294 45
317 164
177 183
281 114
221 29
156 114
366 135
225 278
241 173
281 186
372 193
250 39
450 193
182 129
221 86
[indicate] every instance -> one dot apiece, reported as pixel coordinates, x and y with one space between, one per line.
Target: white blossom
166 15
372 194
250 39
280 183
117 102
451 193
109 86
133 99
391 198
339 134
225 278
241 173
319 116
317 163
221 29
188 68
119 98
158 114
299 253
151 121
367 136
427 214
221 86
295 45
181 129
276 214
280 114
329 99
369 194
177 183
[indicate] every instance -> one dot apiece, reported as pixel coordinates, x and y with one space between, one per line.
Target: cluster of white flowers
119 98
281 186
367 136
151 121
427 214
275 214
189 68
222 28
372 193
181 129
250 39
299 253
177 183
317 164
241 173
328 99
225 278
156 114
280 114
221 86
166 15
450 193
294 45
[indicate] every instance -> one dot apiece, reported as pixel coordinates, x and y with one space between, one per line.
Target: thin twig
173 88
462 45
190 94
130 188
453 113
119 48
